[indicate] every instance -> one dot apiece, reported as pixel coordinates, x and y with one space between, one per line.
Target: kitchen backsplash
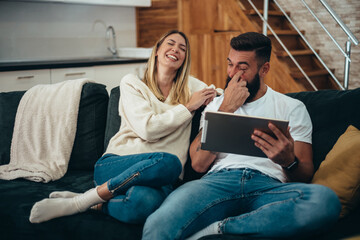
51 31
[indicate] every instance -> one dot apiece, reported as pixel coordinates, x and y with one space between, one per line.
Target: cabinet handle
25 77
74 74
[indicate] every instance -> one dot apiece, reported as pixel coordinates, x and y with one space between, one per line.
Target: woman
147 155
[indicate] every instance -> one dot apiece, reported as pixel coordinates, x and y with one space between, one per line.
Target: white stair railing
346 52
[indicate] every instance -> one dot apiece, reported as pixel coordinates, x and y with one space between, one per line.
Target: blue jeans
246 202
139 183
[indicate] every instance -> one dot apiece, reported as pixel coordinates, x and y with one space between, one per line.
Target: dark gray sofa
331 112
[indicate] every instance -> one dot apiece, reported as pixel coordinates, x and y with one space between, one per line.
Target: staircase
210 24
295 44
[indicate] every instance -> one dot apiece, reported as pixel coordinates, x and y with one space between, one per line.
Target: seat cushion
18 196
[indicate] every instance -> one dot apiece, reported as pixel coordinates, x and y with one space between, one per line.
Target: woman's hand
199 98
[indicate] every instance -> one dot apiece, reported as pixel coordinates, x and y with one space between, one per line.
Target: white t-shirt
271 105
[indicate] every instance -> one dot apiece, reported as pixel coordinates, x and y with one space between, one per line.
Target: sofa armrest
89 138
9 102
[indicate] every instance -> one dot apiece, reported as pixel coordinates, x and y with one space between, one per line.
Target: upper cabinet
129 3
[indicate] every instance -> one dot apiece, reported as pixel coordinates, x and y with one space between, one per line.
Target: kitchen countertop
66 63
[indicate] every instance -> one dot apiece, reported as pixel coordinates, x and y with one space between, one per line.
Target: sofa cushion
19 195
331 112
340 170
113 118
89 138
9 102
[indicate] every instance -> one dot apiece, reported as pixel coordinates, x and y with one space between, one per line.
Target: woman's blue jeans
246 202
139 183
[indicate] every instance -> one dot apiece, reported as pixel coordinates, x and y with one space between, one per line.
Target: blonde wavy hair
180 89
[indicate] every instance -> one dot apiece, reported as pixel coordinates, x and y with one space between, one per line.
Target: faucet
113 48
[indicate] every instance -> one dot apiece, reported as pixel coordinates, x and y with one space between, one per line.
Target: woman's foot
50 208
63 194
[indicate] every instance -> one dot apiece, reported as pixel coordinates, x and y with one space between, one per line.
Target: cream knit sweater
149 125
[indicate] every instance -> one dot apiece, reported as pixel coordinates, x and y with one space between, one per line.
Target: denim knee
172 160
171 166
324 206
138 203
156 227
328 202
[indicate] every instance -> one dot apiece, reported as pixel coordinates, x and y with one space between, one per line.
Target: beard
253 86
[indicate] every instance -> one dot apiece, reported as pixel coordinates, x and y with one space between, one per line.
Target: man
252 196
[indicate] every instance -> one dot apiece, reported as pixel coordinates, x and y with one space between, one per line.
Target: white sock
50 208
211 229
63 194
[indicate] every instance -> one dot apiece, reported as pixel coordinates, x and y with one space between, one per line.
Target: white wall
49 31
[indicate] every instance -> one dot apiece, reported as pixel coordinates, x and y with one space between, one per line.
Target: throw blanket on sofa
44 132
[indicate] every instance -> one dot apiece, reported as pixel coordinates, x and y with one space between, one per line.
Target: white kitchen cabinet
23 80
63 74
128 3
131 3
111 75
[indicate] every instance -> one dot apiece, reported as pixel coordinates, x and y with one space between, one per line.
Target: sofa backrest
331 112
88 144
113 120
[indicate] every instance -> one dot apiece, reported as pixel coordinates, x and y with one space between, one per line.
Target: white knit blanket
44 132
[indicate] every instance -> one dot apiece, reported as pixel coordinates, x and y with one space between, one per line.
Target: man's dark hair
253 41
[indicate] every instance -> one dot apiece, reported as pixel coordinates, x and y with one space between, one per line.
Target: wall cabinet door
128 3
111 75
63 74
23 80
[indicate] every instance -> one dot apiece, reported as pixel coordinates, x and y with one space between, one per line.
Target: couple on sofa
252 196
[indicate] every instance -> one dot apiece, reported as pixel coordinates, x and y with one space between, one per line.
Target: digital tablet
231 133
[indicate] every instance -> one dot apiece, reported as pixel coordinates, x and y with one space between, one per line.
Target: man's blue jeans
246 202
139 183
